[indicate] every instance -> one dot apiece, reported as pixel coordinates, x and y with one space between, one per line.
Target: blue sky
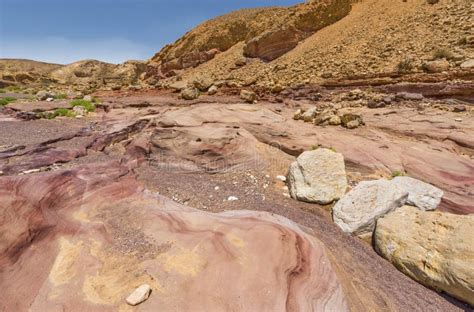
63 31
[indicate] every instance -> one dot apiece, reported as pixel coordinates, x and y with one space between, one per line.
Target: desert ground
279 172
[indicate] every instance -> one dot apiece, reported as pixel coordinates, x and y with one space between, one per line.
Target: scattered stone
420 194
335 120
298 114
49 99
79 111
179 85
318 176
436 66
359 209
232 198
190 93
459 108
409 96
212 90
458 119
433 248
352 121
277 88
375 104
309 115
44 95
323 118
248 96
87 98
203 83
139 295
281 178
468 64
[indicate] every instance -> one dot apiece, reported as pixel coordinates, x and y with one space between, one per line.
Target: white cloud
64 51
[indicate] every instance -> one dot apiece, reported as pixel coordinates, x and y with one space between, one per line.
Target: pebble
232 198
458 119
139 295
281 178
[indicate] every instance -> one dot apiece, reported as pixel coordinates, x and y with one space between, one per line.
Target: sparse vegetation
442 53
64 112
14 89
2 91
60 96
405 66
88 105
398 173
6 100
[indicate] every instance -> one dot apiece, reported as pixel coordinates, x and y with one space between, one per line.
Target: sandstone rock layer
100 240
431 247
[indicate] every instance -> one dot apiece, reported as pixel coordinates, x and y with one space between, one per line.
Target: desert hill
370 37
309 43
86 74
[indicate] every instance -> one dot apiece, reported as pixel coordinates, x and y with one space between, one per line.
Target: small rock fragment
139 295
212 90
248 96
190 93
309 115
281 178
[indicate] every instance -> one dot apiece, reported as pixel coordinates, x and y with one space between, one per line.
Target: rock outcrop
431 247
358 211
272 44
100 239
268 33
318 176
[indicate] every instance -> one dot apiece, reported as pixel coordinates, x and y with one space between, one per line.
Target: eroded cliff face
267 32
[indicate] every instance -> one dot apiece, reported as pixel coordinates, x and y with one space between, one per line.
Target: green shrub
14 89
405 66
6 100
64 112
60 96
46 115
88 105
442 53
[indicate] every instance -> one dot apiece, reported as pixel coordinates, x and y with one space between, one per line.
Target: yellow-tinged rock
434 248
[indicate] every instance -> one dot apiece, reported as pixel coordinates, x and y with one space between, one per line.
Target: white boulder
318 176
420 194
358 211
